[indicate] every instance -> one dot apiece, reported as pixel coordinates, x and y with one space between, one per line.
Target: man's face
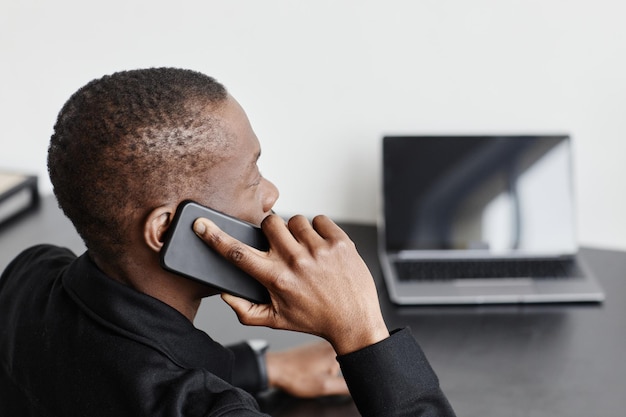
240 191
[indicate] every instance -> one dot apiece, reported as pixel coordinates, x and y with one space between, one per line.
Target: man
110 332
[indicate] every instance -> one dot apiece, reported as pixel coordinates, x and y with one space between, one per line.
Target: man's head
133 141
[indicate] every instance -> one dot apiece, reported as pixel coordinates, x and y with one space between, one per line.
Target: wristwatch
259 347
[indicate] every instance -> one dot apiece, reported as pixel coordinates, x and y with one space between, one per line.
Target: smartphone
184 253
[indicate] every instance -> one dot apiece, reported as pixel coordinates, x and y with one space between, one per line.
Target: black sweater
74 342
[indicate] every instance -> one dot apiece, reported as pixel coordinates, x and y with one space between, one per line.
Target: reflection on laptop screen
509 195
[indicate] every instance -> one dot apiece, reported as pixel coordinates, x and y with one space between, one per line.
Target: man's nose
270 195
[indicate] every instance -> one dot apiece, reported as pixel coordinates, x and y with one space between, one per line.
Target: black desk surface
546 360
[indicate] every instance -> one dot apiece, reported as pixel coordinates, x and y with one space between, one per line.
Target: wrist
355 339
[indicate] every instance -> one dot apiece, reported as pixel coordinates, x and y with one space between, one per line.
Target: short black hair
128 141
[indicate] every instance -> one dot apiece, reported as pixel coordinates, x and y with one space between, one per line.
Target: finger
303 231
335 385
278 235
243 256
327 229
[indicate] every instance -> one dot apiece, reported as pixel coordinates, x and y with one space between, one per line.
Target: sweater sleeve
393 378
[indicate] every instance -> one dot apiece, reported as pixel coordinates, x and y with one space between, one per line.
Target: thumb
247 312
335 385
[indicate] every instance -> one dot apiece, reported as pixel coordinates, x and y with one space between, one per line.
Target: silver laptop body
480 219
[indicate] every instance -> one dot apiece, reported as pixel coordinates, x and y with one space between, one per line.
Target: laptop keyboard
437 270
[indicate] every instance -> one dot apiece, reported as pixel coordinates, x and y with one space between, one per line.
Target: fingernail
199 227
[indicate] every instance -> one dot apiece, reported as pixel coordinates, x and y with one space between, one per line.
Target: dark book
19 193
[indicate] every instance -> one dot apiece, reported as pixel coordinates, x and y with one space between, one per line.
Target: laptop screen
509 195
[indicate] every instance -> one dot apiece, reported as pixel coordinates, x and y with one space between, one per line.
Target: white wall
322 81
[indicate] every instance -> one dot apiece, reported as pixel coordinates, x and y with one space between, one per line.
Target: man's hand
317 281
307 371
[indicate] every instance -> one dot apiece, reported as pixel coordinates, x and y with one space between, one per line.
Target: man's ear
156 224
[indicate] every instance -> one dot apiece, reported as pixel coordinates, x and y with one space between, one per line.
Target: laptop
470 219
